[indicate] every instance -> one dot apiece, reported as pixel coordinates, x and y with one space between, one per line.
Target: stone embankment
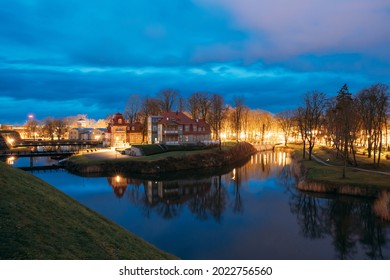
200 161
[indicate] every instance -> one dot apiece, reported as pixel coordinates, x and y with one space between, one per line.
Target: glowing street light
11 160
11 141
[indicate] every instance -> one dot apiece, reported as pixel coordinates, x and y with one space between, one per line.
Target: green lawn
363 161
333 174
40 222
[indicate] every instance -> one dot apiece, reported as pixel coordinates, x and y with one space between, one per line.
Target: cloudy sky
62 58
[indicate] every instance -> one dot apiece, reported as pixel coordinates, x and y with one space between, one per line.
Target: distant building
86 134
153 129
120 133
135 133
177 128
81 123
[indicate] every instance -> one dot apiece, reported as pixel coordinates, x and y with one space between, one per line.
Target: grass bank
40 222
231 154
314 176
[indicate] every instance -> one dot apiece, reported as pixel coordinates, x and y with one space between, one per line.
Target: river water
251 212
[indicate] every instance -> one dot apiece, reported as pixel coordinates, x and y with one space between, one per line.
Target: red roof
180 118
177 117
138 127
115 122
116 119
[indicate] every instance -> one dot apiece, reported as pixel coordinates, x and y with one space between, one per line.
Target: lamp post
31 126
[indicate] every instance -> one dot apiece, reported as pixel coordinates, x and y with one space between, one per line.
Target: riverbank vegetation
332 173
347 123
40 222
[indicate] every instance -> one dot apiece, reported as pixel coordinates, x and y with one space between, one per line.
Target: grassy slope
40 222
333 174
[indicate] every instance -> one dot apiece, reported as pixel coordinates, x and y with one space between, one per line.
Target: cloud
103 90
281 29
94 54
16 111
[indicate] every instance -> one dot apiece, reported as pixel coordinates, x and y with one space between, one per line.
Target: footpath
353 168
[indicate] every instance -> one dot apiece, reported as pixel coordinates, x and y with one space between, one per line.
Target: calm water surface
251 212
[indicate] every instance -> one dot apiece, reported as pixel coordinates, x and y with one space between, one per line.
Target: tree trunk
345 156
311 146
369 147
375 148
354 154
380 147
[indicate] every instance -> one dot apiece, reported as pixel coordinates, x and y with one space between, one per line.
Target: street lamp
11 141
30 120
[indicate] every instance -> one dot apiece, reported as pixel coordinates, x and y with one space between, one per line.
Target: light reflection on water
251 212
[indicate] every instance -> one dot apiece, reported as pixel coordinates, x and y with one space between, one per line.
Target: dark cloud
69 57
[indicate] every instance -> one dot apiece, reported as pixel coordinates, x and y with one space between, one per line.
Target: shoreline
169 162
306 181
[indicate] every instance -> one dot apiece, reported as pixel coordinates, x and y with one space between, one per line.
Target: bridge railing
35 153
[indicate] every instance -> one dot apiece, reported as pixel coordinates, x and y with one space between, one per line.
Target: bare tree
199 105
217 115
285 120
168 98
61 127
32 127
237 115
101 123
132 108
49 127
373 107
182 104
309 118
245 121
300 118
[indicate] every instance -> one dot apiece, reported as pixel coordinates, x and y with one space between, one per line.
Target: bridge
36 153
264 147
51 143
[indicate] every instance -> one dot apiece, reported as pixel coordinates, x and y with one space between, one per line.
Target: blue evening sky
63 58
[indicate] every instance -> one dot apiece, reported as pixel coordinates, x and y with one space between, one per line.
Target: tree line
345 122
232 121
51 128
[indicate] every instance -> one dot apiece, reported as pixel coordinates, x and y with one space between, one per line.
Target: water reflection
204 197
257 200
382 206
348 221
